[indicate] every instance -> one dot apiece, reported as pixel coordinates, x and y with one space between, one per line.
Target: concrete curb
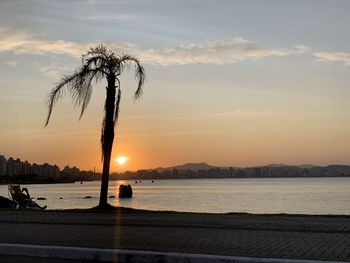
126 256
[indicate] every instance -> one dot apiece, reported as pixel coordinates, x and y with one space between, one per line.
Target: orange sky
225 85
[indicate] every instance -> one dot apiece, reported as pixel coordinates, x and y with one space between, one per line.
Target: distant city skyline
12 166
230 83
15 166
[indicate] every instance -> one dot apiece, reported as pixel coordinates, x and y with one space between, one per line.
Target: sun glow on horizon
121 160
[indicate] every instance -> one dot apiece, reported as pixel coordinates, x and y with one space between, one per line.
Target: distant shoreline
119 209
163 178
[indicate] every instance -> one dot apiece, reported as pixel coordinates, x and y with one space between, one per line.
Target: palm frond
78 85
57 92
97 61
82 90
98 50
140 73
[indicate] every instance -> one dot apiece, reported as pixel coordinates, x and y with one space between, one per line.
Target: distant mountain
188 166
337 166
278 165
204 170
204 166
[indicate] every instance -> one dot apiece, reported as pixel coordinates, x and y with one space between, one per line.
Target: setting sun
121 160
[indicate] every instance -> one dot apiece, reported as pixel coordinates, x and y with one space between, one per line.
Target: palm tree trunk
107 139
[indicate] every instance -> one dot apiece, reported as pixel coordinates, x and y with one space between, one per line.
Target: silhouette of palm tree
98 63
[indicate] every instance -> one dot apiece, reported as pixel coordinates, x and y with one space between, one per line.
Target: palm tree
97 64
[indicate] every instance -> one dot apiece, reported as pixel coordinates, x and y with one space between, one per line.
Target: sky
230 83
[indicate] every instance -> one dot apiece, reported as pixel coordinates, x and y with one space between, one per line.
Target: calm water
272 195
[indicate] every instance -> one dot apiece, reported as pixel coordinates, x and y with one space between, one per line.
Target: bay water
265 195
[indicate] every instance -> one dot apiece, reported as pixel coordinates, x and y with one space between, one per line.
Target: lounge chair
22 197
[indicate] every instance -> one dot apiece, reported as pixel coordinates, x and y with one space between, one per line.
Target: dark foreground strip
202 226
124 256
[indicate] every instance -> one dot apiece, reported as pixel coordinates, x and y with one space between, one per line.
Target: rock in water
125 191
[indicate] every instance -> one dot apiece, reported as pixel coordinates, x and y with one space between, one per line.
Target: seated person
22 197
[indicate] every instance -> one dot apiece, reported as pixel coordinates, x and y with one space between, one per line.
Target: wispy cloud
53 70
216 52
21 42
333 57
25 43
301 49
12 63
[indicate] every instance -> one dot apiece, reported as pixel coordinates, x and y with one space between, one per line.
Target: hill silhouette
188 166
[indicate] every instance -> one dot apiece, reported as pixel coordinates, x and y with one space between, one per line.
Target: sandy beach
248 235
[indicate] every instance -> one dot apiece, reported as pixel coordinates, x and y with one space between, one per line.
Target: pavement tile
298 237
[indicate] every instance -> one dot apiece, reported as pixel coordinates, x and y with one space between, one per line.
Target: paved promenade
262 236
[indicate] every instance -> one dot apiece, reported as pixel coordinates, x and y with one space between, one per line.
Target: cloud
24 43
12 63
53 70
300 49
217 52
333 57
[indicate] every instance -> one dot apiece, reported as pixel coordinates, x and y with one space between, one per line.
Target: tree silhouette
98 63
